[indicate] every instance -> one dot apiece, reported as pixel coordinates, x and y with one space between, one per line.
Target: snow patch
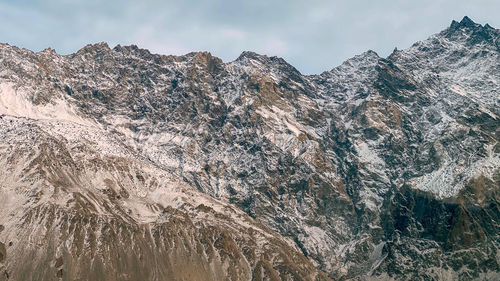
367 155
16 103
443 182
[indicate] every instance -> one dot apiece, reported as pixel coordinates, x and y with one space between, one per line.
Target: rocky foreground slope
119 164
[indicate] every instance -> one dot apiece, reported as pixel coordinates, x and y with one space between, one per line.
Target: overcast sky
312 35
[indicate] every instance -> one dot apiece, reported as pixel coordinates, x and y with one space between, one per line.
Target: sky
314 36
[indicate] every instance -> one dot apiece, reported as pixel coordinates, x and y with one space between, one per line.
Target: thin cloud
312 35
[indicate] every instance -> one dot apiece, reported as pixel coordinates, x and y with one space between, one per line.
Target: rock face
119 164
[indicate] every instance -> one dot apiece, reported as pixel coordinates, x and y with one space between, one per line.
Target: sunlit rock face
119 164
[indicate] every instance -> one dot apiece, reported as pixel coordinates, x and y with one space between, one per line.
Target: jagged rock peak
273 62
129 48
249 55
488 26
468 24
470 31
95 47
203 55
370 54
465 22
49 50
366 58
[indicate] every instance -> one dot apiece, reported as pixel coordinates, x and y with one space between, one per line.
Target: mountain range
120 164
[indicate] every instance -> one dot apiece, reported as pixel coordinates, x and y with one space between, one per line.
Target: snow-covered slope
78 204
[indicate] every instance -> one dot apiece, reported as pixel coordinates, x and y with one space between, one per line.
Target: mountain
119 164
